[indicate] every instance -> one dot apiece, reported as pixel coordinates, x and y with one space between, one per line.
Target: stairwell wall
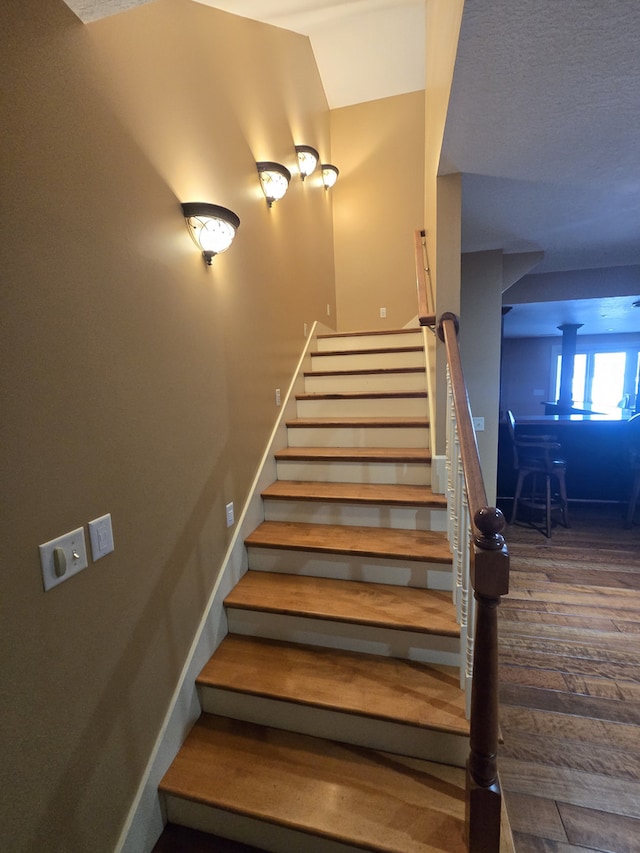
135 380
378 204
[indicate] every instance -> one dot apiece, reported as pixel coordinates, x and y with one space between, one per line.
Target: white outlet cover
229 513
101 535
75 551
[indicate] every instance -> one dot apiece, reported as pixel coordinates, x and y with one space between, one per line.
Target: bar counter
594 446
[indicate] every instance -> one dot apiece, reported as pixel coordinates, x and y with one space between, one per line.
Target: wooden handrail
489 577
426 306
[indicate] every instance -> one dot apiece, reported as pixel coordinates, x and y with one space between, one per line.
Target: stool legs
563 498
562 490
635 491
516 497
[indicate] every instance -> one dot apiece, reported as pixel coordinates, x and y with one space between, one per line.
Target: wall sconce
274 179
308 159
212 227
329 175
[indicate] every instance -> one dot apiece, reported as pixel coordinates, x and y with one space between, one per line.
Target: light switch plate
101 535
478 424
75 557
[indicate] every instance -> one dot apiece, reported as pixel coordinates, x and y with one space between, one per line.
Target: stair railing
426 302
481 565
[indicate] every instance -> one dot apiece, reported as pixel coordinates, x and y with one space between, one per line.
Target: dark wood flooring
179 839
570 686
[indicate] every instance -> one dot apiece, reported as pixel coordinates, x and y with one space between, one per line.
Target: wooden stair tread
367 351
372 333
361 493
425 611
361 395
354 454
427 546
386 688
384 422
371 799
374 371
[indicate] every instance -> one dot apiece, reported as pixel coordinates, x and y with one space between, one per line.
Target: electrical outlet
478 424
278 400
383 312
328 310
305 329
101 536
62 558
229 513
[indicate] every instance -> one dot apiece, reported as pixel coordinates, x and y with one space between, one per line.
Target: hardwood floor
570 686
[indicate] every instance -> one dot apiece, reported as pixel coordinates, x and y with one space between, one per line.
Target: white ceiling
364 49
544 117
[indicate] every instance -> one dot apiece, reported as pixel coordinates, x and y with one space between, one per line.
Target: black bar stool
538 457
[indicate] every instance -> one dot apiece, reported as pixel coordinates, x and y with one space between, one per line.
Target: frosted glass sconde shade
308 159
212 227
274 179
329 175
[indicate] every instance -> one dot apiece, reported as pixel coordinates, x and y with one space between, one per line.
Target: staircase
333 718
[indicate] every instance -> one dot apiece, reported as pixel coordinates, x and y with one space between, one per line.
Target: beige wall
480 336
443 198
443 19
378 204
135 380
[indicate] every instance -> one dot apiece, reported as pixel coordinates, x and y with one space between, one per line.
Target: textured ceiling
543 124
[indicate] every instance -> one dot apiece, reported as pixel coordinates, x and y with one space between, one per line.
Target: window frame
631 381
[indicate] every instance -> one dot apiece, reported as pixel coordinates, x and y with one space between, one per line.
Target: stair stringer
146 819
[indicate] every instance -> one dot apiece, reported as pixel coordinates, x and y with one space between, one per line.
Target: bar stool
537 457
633 437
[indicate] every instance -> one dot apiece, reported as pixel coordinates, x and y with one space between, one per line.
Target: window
602 380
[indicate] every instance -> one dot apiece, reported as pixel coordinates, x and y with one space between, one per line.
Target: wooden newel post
490 580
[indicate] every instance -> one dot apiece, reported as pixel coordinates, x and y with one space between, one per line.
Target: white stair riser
368 382
369 407
262 835
445 748
358 437
352 568
408 645
366 361
366 515
403 473
410 338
